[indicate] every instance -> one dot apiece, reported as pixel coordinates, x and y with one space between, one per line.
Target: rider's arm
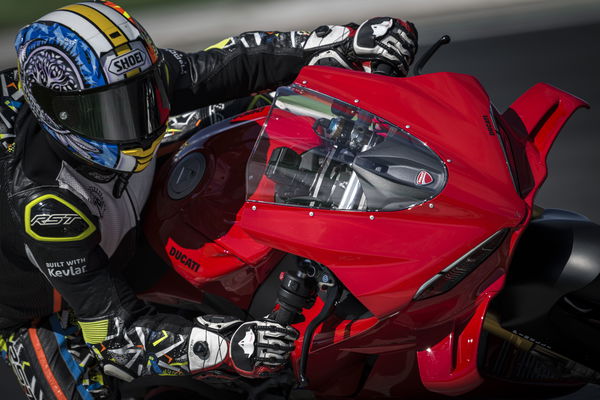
64 240
257 61
234 67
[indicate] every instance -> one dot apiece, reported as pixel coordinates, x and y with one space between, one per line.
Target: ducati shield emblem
424 178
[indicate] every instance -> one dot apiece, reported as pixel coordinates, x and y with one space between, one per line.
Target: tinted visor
133 110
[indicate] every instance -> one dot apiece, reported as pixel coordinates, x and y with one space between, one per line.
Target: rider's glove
377 42
253 349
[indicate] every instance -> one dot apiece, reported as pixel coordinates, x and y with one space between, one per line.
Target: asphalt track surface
568 58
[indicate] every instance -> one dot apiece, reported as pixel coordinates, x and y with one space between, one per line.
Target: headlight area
453 274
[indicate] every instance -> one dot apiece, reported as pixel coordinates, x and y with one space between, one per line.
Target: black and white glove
260 348
380 45
253 349
388 41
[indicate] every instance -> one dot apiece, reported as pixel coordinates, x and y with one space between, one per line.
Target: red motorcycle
392 221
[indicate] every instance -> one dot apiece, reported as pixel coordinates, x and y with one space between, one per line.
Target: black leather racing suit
63 231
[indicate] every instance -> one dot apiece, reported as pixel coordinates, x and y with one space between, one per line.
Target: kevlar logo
184 259
62 269
424 178
127 62
54 219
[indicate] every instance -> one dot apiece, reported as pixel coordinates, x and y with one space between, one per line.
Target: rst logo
54 219
127 62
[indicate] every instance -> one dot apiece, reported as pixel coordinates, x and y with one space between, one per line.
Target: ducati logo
424 178
54 219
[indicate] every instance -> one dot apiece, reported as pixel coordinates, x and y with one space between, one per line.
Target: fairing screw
448 160
304 82
371 217
407 126
253 208
63 115
311 214
431 205
356 100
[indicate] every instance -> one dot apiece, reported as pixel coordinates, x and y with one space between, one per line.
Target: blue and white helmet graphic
95 81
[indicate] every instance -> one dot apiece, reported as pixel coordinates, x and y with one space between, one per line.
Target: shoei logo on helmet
127 62
424 178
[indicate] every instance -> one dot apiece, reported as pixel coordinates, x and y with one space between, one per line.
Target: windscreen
319 152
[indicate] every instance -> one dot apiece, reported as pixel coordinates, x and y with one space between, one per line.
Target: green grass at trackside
17 13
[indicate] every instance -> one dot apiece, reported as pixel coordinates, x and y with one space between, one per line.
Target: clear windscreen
319 152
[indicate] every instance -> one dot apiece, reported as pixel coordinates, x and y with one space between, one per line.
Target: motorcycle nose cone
186 175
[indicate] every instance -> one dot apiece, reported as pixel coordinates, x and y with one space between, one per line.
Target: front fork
298 291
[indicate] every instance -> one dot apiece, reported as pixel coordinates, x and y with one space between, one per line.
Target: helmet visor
133 110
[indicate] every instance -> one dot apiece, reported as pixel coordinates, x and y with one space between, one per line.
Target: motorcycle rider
80 121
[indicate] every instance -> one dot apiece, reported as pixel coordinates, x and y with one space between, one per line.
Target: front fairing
384 256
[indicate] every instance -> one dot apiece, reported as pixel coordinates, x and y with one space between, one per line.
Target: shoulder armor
11 100
52 218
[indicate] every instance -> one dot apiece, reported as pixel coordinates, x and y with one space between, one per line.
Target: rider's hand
260 348
254 349
381 45
386 40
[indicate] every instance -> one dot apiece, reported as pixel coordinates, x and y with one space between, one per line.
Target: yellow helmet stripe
124 48
120 20
133 73
110 30
83 26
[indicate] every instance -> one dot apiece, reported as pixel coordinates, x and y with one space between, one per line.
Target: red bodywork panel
406 248
227 245
532 123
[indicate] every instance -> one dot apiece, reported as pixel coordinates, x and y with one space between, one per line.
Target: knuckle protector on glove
261 342
388 40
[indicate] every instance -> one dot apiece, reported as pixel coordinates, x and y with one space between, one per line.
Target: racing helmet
96 83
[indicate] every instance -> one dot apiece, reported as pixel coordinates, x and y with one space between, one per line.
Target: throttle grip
383 69
297 291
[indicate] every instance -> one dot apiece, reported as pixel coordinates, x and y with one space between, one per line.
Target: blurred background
509 45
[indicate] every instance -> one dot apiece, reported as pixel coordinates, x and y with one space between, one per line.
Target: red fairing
530 126
226 242
405 248
197 235
450 366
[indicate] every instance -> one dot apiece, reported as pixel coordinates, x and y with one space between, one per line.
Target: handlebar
299 290
383 69
423 60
